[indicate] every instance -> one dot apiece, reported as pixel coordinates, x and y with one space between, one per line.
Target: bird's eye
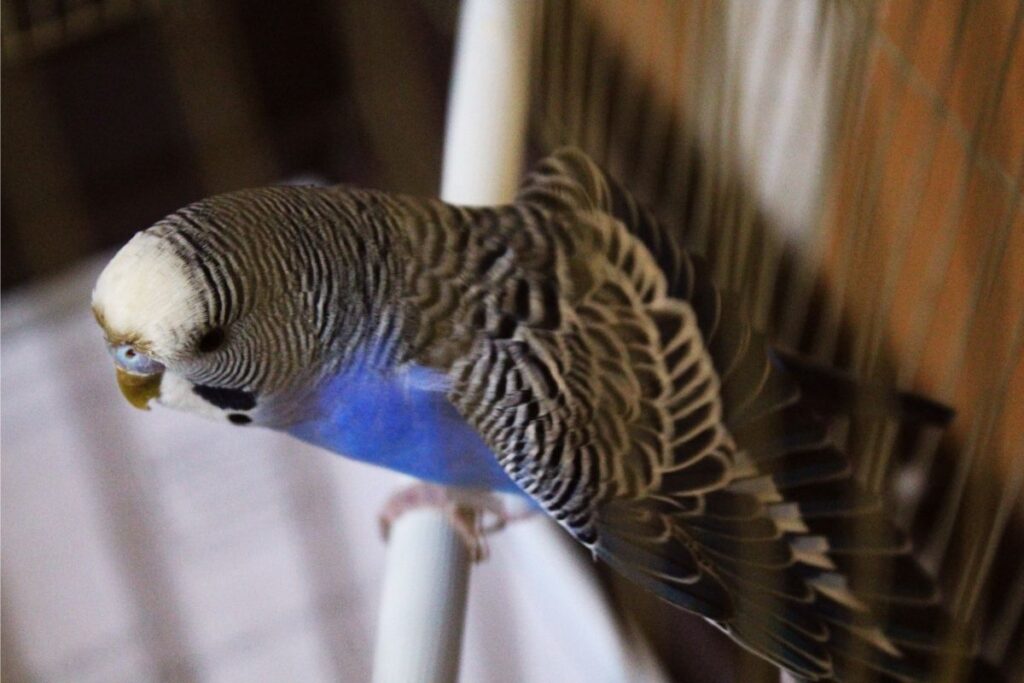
128 358
211 341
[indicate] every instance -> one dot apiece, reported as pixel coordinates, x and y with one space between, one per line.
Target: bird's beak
139 389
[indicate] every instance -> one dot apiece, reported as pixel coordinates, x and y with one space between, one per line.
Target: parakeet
563 346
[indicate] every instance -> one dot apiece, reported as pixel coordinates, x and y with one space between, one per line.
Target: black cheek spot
228 399
239 419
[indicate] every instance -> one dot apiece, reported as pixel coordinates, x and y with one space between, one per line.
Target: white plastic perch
419 635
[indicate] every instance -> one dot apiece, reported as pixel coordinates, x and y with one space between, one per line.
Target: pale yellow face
149 309
145 295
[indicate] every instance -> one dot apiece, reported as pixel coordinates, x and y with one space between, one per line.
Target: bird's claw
473 514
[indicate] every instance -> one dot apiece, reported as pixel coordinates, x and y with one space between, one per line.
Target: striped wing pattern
623 392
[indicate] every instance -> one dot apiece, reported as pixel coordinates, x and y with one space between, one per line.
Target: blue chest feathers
404 422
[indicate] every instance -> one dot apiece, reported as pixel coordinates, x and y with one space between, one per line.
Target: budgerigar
563 346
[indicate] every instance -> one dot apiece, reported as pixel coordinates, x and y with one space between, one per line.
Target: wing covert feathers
628 396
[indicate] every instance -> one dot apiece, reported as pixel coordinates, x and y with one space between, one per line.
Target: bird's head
204 312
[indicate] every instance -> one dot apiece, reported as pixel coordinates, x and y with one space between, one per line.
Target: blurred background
116 113
852 169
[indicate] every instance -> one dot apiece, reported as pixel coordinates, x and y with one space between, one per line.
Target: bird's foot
472 513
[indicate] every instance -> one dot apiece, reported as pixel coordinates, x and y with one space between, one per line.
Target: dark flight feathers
774 540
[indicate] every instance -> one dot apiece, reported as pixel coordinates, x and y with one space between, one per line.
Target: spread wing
621 391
